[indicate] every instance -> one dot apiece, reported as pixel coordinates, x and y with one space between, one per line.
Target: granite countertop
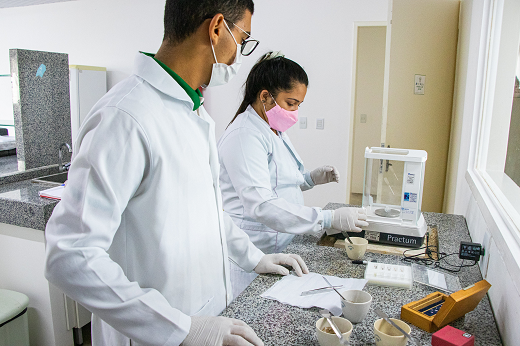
20 205
279 324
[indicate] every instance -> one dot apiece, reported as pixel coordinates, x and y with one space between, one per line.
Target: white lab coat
139 237
262 178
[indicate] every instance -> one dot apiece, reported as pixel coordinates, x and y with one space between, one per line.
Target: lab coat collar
282 135
262 122
149 70
291 149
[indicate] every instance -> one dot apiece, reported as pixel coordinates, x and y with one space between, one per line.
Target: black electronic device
470 251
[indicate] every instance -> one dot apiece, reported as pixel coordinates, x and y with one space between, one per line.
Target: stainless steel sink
53 179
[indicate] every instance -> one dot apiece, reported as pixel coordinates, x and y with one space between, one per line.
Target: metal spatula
384 316
342 340
347 237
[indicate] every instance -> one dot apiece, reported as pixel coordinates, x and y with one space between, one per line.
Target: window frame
489 184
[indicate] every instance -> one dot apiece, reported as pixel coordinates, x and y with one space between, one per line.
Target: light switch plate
303 122
320 124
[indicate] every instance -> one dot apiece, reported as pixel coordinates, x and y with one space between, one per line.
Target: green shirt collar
195 95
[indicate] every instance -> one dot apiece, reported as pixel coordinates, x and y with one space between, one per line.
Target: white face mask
223 73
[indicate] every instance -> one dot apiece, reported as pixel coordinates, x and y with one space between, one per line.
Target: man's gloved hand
348 219
220 331
274 263
324 175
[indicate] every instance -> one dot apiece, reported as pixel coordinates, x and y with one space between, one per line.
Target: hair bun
274 55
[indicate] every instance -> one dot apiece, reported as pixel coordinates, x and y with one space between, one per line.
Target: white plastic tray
389 275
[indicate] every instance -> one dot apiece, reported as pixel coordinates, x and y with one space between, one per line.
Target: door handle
388 164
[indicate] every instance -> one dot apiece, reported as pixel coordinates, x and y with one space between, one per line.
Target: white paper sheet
53 193
437 279
289 289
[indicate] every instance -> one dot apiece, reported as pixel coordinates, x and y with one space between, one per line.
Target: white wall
93 32
316 34
24 250
319 36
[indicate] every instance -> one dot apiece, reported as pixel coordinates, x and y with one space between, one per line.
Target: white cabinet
87 85
52 315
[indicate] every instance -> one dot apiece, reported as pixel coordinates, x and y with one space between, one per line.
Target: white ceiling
19 3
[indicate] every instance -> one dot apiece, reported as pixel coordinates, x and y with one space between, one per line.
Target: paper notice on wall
420 81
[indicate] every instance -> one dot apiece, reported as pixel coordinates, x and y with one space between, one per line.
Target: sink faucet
64 167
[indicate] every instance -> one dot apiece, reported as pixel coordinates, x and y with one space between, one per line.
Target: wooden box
437 309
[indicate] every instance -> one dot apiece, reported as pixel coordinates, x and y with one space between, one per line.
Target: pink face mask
281 119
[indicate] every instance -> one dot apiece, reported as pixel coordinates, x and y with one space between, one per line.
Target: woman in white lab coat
262 176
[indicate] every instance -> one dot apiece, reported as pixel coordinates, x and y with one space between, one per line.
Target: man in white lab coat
139 237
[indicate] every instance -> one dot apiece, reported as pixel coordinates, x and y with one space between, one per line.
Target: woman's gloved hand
324 175
276 264
219 331
348 219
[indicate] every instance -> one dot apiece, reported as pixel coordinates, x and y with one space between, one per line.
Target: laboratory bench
280 324
23 216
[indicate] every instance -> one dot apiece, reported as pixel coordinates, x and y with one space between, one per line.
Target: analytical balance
392 196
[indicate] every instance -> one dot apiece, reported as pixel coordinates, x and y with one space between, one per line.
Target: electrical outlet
303 122
363 118
486 243
320 124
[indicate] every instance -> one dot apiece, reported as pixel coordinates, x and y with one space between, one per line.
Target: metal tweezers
319 290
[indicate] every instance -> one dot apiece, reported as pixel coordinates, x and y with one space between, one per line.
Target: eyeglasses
249 45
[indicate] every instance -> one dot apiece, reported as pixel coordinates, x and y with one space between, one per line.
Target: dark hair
183 17
271 74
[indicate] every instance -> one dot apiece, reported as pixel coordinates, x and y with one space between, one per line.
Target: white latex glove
324 175
219 331
273 263
348 219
